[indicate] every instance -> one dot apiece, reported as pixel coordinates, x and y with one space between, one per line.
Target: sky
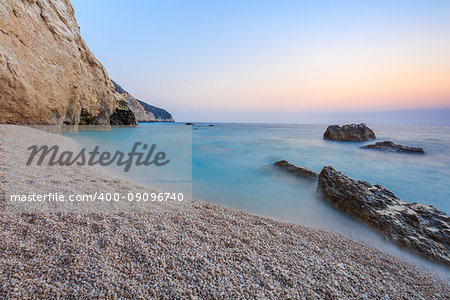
277 61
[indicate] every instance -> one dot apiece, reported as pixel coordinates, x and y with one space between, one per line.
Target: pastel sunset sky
274 60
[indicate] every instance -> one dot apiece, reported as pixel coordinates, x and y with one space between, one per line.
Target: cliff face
47 73
144 112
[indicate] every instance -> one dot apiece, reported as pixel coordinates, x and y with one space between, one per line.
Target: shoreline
191 250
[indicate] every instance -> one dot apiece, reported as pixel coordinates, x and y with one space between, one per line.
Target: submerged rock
304 172
388 145
420 228
349 133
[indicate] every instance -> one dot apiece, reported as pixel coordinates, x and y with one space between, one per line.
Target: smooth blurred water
232 165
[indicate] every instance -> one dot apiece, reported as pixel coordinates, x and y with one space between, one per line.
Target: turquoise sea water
232 166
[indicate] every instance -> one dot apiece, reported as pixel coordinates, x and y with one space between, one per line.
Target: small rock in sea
304 172
388 145
210 125
189 124
349 133
420 228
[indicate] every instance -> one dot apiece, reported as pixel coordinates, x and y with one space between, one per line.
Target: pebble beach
188 250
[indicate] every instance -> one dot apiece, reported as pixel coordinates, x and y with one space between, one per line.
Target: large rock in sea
420 228
47 73
303 172
390 146
144 112
349 133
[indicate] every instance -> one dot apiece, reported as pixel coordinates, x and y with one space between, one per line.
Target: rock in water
420 228
47 73
144 112
349 133
304 172
388 145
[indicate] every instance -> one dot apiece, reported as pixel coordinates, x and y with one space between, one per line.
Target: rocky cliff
144 112
47 73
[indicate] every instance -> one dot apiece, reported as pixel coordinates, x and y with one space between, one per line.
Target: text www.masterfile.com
97 196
